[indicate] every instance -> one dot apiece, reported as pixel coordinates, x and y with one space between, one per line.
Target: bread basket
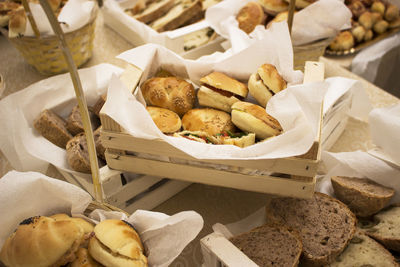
44 53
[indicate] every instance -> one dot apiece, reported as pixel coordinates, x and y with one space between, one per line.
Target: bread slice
270 246
100 149
178 15
155 10
52 127
74 121
364 251
325 225
99 104
78 154
363 196
385 227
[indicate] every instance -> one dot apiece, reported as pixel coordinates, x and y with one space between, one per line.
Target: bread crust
74 121
343 41
259 90
17 23
249 16
169 92
77 154
154 11
83 259
208 120
273 7
99 104
166 120
210 98
224 82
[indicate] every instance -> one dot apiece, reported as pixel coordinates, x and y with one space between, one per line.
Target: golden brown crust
357 8
366 20
250 16
343 41
17 23
83 259
271 78
391 13
169 92
257 112
224 82
273 7
166 120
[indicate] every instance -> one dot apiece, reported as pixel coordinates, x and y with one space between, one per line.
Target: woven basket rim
93 17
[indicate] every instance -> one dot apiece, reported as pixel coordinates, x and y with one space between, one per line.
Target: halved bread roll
220 91
247 139
249 16
254 119
166 120
198 136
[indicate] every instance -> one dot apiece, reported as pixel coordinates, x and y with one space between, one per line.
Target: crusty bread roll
198 136
368 35
381 26
366 20
166 120
395 23
254 119
273 7
357 8
169 92
379 7
249 16
83 259
265 83
86 226
17 23
5 8
208 120
358 33
41 242
391 13
343 41
117 244
220 91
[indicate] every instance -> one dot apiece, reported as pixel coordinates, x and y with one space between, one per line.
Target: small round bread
166 120
343 41
17 23
376 17
265 83
381 26
220 91
42 241
391 13
357 8
270 246
52 127
273 7
363 196
169 92
366 20
77 154
116 244
358 33
394 23
249 16
5 8
207 120
379 7
254 119
74 121
368 36
83 259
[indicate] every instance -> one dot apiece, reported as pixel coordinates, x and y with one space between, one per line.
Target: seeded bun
208 120
254 119
166 120
220 91
265 83
249 16
116 243
42 241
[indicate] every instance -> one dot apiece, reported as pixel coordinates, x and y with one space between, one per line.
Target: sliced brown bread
77 154
270 246
385 227
99 104
325 225
364 251
363 196
52 127
74 121
100 149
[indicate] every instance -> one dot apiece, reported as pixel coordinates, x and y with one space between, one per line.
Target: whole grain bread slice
325 225
77 154
74 121
363 196
52 127
269 245
100 149
384 227
99 104
364 251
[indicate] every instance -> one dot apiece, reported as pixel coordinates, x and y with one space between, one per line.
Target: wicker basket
44 52
309 52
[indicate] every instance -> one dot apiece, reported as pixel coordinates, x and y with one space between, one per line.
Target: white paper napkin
24 195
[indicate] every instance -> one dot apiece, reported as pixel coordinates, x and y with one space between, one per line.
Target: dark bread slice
155 10
99 104
325 225
100 149
269 245
77 154
52 127
363 196
74 121
385 227
364 251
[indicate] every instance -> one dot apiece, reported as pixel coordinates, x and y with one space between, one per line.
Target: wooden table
215 204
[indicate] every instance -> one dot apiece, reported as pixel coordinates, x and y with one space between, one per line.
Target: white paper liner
24 195
23 146
74 15
322 19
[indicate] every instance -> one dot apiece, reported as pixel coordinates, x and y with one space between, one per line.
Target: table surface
215 204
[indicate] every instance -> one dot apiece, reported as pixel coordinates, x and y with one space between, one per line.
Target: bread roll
166 120
391 13
378 7
381 26
376 17
171 93
17 23
343 41
358 33
5 8
41 242
283 16
395 23
273 7
265 83
249 16
208 120
220 91
357 8
254 119
83 259
368 35
366 20
117 244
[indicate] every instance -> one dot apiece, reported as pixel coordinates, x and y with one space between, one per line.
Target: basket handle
30 18
292 5
94 166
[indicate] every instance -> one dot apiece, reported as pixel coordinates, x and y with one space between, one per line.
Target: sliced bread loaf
363 196
52 127
74 121
77 154
270 246
385 227
325 225
364 251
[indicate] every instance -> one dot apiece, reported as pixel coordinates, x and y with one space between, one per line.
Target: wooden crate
293 176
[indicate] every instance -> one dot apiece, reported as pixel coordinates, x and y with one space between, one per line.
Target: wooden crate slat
82 182
264 184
